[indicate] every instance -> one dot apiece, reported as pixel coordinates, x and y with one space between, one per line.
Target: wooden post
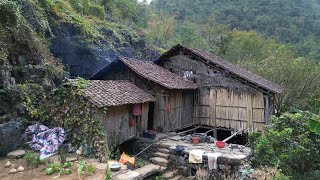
249 111
212 102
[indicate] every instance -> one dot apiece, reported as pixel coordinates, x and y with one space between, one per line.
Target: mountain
291 22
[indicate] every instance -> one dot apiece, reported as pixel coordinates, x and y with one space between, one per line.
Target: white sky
147 1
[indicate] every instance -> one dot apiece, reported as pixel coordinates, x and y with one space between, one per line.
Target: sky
147 1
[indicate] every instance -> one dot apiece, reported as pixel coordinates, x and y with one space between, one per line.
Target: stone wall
226 167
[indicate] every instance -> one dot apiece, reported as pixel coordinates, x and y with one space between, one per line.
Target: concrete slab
138 174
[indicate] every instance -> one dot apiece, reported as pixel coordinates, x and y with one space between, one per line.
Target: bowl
115 166
220 144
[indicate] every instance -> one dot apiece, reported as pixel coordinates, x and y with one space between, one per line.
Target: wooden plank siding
180 113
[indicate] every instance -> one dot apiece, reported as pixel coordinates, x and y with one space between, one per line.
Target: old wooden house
193 87
173 107
114 102
227 96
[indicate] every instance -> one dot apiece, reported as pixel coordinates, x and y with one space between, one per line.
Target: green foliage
89 7
161 30
207 25
32 160
268 173
274 61
91 170
67 164
314 126
128 10
68 107
292 22
59 169
82 167
107 174
22 26
74 13
248 49
288 145
161 178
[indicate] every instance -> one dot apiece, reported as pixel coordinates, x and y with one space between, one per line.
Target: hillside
44 41
293 22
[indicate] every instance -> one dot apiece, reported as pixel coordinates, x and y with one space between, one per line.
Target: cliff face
87 40
44 41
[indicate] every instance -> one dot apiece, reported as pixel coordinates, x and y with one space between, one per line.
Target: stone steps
140 173
162 155
178 177
170 174
163 150
159 161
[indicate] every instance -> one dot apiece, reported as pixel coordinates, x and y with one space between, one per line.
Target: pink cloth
137 110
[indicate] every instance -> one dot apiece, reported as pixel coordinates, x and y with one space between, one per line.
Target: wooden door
187 109
160 114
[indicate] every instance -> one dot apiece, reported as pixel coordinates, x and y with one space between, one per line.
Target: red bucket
220 144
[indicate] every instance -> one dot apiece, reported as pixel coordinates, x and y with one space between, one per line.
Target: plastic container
145 134
220 144
195 140
152 134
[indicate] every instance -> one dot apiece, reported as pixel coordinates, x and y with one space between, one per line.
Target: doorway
150 115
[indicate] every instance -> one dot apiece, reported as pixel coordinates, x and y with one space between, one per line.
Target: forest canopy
278 40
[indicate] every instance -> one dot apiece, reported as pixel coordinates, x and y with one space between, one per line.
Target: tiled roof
229 67
114 93
158 74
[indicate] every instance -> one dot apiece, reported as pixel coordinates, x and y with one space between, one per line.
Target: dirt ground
39 172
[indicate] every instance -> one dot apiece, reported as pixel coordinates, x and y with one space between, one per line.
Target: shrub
289 145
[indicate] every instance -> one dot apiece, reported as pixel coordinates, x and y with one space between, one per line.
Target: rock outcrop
10 137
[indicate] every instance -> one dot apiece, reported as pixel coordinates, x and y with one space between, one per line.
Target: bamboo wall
229 109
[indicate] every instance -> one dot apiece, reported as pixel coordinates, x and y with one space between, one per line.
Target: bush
289 145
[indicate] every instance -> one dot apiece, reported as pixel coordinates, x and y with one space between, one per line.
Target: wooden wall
181 102
229 109
180 113
239 107
116 122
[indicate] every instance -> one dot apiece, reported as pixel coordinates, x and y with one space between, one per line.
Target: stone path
139 174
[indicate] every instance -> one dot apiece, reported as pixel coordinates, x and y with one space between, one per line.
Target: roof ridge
228 66
164 73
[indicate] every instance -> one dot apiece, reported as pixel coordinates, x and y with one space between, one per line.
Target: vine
69 108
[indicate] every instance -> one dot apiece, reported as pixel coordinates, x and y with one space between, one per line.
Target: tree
216 35
289 145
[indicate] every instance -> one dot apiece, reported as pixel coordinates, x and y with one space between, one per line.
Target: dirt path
39 173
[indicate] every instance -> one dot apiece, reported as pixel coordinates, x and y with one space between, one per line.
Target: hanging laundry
137 110
195 156
212 160
168 107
